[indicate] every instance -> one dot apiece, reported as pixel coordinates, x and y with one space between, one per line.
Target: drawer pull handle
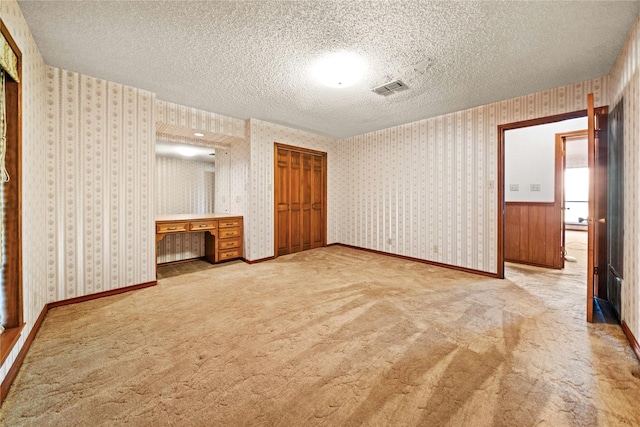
202 225
172 228
229 223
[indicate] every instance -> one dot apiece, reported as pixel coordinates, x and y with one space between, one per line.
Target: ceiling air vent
390 87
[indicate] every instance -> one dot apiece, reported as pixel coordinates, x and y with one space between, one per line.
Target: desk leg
159 237
211 247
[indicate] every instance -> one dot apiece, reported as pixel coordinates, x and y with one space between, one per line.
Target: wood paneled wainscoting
531 234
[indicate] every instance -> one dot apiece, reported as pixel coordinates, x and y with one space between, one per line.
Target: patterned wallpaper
183 186
101 187
259 221
232 182
35 230
428 189
625 84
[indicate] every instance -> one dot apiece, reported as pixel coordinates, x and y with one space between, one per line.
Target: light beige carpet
332 337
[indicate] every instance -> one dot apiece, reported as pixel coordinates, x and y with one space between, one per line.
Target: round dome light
339 69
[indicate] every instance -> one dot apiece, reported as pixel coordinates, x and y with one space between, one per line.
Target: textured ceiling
252 58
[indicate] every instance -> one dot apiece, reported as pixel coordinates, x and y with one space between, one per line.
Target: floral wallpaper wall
232 183
428 189
101 186
35 230
183 186
625 85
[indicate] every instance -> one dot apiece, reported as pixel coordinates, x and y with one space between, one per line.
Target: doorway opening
534 191
548 212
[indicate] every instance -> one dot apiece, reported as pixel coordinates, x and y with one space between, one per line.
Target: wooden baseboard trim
632 340
424 261
13 371
101 294
255 261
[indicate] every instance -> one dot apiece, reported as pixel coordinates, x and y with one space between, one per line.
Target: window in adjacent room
576 195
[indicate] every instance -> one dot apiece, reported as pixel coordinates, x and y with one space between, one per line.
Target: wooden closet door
295 202
281 195
305 188
300 200
317 202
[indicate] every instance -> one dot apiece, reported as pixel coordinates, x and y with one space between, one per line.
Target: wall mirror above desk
185 178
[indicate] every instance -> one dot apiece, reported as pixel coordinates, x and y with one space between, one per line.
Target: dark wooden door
592 211
300 194
601 202
562 141
615 206
596 223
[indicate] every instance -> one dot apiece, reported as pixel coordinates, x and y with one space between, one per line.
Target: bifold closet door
281 195
318 205
299 199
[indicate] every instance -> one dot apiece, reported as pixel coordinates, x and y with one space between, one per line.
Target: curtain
8 59
4 175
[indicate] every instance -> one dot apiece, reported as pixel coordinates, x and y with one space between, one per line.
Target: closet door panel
306 201
282 202
317 202
295 203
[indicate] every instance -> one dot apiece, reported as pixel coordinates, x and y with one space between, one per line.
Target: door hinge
596 270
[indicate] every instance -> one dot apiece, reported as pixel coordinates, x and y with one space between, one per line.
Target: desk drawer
230 223
229 243
204 225
229 254
228 232
171 227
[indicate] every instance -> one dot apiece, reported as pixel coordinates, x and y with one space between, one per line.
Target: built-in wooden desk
223 232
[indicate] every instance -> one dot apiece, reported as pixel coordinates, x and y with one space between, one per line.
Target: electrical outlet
436 249
491 185
514 187
535 187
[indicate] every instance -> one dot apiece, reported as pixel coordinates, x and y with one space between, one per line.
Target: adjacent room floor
332 336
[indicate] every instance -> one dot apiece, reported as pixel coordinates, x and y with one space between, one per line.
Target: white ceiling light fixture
339 69
187 151
198 134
